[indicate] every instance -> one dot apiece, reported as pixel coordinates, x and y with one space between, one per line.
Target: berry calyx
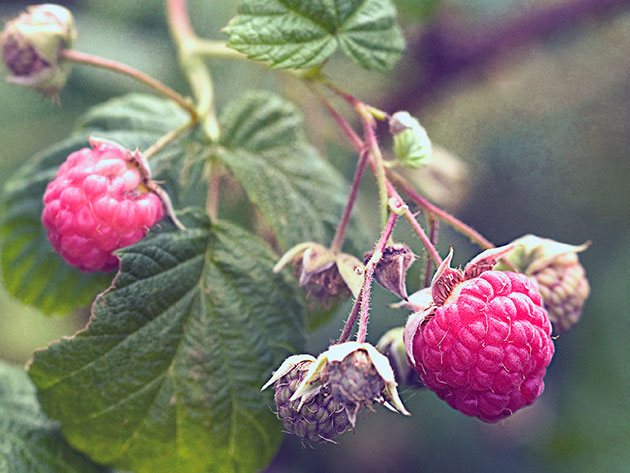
102 199
485 343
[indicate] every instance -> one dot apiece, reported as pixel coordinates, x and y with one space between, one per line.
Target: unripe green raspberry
564 289
31 47
560 276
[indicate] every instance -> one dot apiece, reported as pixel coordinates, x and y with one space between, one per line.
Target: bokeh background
534 95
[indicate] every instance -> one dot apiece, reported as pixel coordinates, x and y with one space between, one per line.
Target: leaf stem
167 139
214 187
426 241
216 49
193 66
78 57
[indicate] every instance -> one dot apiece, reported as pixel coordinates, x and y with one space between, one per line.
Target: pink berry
99 201
485 351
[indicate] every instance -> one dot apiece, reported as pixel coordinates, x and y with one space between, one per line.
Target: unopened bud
31 47
412 145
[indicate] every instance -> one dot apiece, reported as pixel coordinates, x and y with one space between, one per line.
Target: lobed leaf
300 196
167 375
304 33
29 441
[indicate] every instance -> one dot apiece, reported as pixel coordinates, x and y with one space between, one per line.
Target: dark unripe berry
321 418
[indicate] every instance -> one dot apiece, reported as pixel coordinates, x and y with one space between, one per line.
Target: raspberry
99 201
321 418
564 289
486 349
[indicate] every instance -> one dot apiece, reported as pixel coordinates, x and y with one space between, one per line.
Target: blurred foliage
547 132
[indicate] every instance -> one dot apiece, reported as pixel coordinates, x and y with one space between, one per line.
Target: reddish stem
78 57
340 234
351 320
370 267
426 241
434 230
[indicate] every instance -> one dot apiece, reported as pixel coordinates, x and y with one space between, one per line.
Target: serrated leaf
29 441
304 33
167 375
31 270
299 195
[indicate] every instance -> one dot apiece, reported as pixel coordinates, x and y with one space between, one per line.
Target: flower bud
391 270
392 346
412 146
560 276
31 45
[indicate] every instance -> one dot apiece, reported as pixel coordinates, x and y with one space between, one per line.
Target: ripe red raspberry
101 200
485 349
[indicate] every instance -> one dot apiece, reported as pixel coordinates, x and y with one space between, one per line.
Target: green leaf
300 196
29 441
31 270
304 33
167 375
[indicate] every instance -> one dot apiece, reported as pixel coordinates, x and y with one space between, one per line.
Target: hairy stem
369 125
351 320
426 241
370 267
78 57
340 234
193 66
434 230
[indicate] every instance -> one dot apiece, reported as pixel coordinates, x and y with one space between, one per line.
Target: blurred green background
543 123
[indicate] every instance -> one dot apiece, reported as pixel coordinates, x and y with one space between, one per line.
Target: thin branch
340 234
370 267
78 57
167 139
